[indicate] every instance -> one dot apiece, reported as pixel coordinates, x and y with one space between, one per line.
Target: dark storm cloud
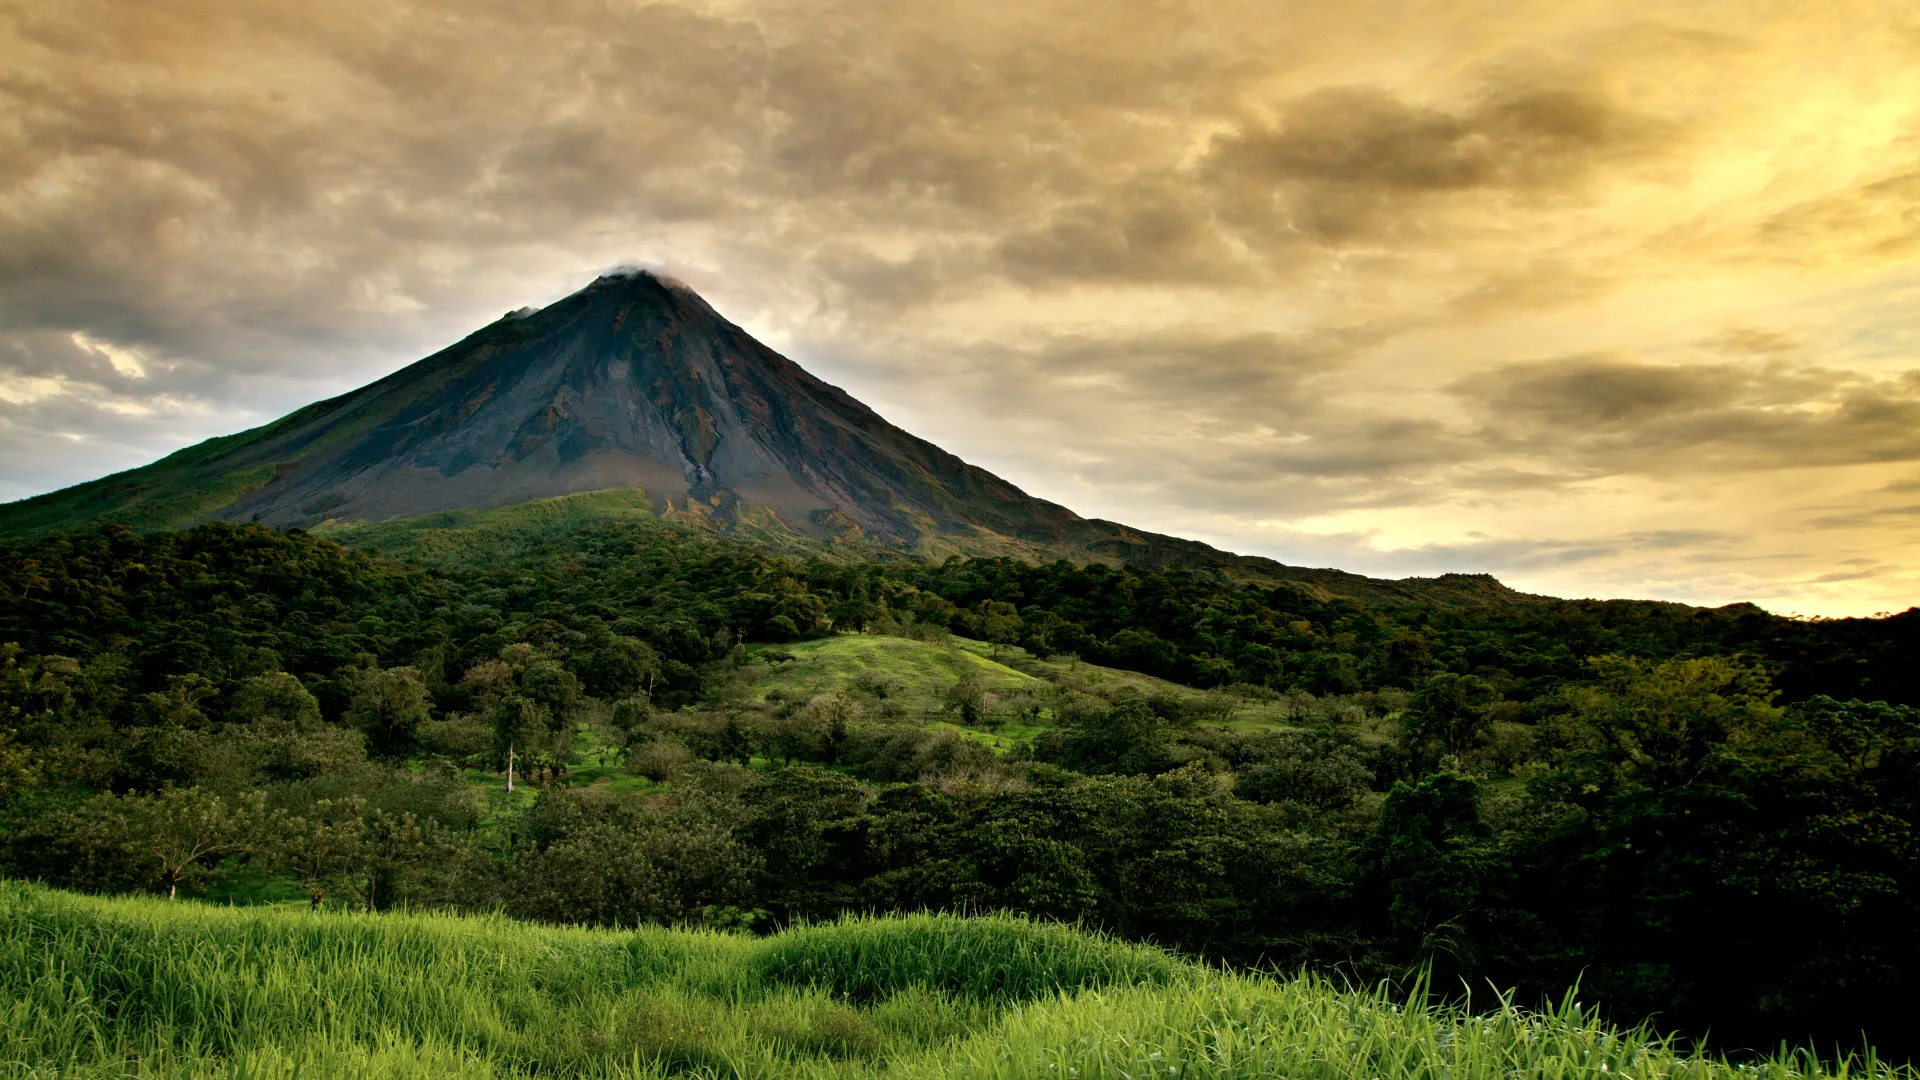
1345 447
55 392
1342 166
1602 413
1361 135
1239 379
1348 163
278 175
1585 393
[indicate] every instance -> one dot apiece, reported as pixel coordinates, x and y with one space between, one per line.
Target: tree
178 835
799 821
1434 854
1038 631
968 694
854 613
323 848
274 734
457 737
1320 773
1699 853
394 849
733 742
1450 711
276 696
999 624
179 704
619 667
487 680
1130 737
811 730
654 870
1331 673
520 727
630 713
1666 720
388 706
548 683
37 692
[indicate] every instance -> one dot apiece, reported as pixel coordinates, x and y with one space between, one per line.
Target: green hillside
175 492
917 678
95 987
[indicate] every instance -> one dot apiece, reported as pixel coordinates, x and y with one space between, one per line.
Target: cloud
1602 413
1870 517
1599 392
1546 283
1150 230
1873 221
1352 163
126 362
72 408
1751 341
1520 139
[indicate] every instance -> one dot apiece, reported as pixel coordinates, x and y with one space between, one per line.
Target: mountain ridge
635 383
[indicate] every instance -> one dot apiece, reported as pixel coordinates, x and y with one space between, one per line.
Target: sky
1604 299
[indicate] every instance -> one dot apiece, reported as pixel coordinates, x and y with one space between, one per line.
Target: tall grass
94 987
996 959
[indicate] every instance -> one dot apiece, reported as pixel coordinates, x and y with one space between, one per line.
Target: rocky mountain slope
636 383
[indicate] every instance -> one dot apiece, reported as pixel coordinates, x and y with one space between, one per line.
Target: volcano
636 383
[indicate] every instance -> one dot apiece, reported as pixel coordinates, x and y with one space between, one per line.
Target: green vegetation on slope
476 535
124 987
1703 816
164 495
1019 693
916 676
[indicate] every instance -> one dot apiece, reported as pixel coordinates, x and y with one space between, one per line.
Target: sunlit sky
1604 299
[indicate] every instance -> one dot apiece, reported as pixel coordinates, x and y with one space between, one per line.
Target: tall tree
178 835
388 706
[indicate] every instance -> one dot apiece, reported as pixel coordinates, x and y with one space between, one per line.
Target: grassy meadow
112 987
914 677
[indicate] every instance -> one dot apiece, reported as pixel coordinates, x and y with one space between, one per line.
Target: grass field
112 987
917 675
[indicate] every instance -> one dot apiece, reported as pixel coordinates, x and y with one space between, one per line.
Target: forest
1702 817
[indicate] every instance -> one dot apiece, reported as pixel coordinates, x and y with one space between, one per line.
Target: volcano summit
636 383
